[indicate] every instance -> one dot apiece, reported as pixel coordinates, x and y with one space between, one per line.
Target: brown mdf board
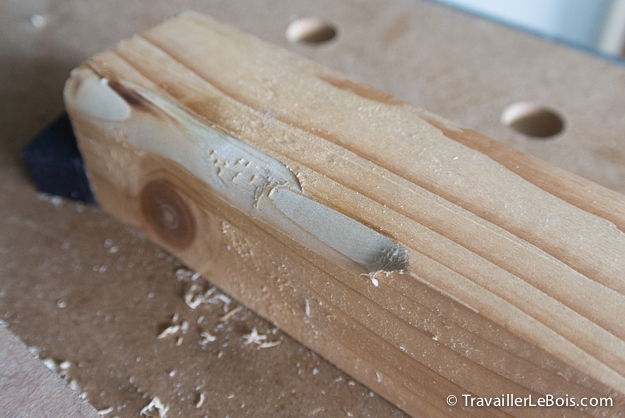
81 287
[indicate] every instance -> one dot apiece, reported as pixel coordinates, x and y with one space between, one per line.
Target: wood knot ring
167 213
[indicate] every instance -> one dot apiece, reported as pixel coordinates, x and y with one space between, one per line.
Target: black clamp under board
55 163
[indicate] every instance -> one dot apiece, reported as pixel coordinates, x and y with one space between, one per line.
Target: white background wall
596 24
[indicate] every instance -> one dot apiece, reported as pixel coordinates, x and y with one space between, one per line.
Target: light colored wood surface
465 69
537 260
29 389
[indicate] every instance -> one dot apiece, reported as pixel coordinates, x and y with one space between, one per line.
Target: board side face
353 207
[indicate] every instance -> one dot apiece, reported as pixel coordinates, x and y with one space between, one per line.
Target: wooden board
469 267
29 389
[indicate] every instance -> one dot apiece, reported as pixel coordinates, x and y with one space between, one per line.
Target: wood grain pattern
513 281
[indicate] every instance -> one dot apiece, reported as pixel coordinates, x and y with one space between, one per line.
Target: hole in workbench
310 30
533 119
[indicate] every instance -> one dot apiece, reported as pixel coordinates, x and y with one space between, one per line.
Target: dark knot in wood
167 213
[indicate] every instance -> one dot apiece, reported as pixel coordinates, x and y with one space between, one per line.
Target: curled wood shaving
155 407
170 330
206 338
255 338
200 401
105 411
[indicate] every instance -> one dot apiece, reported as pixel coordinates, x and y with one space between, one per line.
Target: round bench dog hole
310 30
533 119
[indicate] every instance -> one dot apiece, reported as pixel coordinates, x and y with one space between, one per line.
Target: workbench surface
92 295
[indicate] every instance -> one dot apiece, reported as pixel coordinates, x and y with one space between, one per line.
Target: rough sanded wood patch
424 259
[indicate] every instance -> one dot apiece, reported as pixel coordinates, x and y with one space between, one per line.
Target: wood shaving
220 298
372 276
206 338
200 291
73 385
155 407
100 269
105 411
225 299
269 344
174 328
50 364
200 401
171 330
196 295
230 314
255 338
55 200
183 274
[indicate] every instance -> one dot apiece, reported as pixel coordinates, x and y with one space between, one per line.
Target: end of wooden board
423 259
